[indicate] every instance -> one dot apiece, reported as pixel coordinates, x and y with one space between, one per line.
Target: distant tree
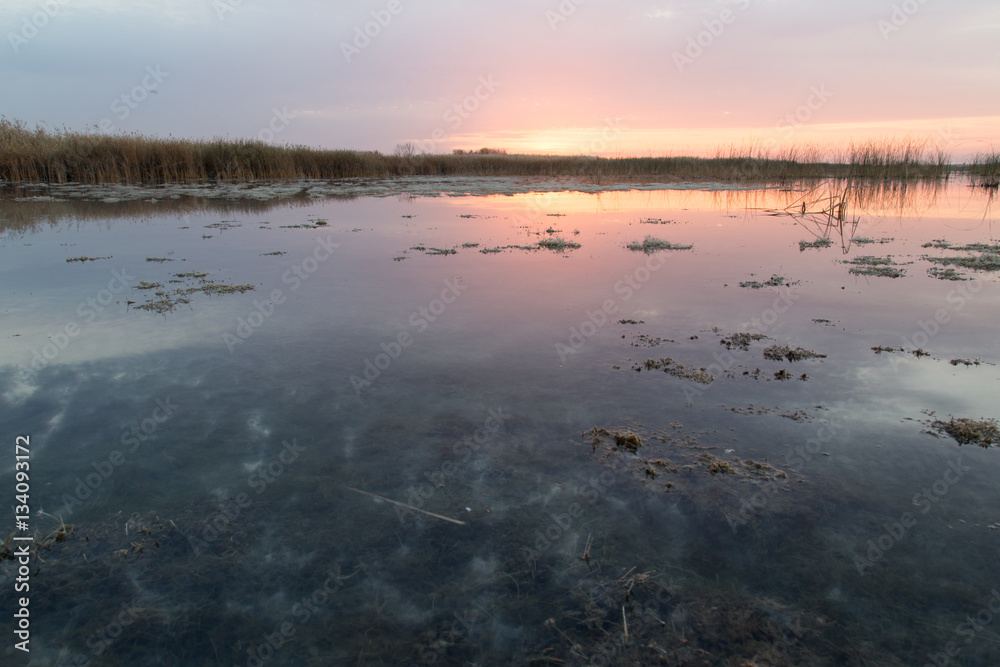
405 150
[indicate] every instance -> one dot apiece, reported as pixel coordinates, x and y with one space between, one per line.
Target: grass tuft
651 244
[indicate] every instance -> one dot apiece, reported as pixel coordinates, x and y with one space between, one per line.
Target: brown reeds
985 169
65 156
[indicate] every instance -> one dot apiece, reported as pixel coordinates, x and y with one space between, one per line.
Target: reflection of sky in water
494 347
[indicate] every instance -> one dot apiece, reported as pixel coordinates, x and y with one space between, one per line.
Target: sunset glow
664 77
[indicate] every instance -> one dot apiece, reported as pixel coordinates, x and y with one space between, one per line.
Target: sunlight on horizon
959 138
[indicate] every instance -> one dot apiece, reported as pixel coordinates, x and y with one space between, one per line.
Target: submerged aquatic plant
824 242
782 352
868 265
987 261
558 243
651 244
966 431
774 281
741 340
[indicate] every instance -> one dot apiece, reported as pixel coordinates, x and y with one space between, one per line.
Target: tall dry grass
985 169
62 156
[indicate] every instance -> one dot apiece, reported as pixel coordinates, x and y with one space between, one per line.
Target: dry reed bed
64 156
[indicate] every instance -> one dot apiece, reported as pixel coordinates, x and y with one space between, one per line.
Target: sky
629 77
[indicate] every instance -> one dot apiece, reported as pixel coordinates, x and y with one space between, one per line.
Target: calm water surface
214 459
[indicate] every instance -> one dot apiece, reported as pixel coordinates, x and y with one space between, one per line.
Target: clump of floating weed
628 440
987 261
624 440
966 431
651 244
818 243
558 243
945 274
678 370
774 281
164 301
782 352
86 259
441 251
741 340
868 265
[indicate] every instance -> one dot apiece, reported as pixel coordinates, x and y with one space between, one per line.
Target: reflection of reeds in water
26 215
985 170
837 208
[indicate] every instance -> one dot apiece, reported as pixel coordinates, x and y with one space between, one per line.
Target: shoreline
350 188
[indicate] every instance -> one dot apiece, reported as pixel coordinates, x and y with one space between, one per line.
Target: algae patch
869 265
678 370
84 258
164 301
558 243
783 352
818 243
967 431
651 244
987 261
741 340
774 281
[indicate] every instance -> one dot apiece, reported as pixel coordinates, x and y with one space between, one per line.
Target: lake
388 426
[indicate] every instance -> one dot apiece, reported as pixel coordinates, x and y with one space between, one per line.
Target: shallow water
203 455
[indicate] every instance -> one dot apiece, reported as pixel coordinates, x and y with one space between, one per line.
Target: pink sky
567 76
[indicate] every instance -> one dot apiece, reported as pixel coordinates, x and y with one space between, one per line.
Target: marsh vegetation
66 156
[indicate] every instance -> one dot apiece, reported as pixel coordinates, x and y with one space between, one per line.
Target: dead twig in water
396 502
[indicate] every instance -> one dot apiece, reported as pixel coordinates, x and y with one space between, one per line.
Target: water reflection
211 486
